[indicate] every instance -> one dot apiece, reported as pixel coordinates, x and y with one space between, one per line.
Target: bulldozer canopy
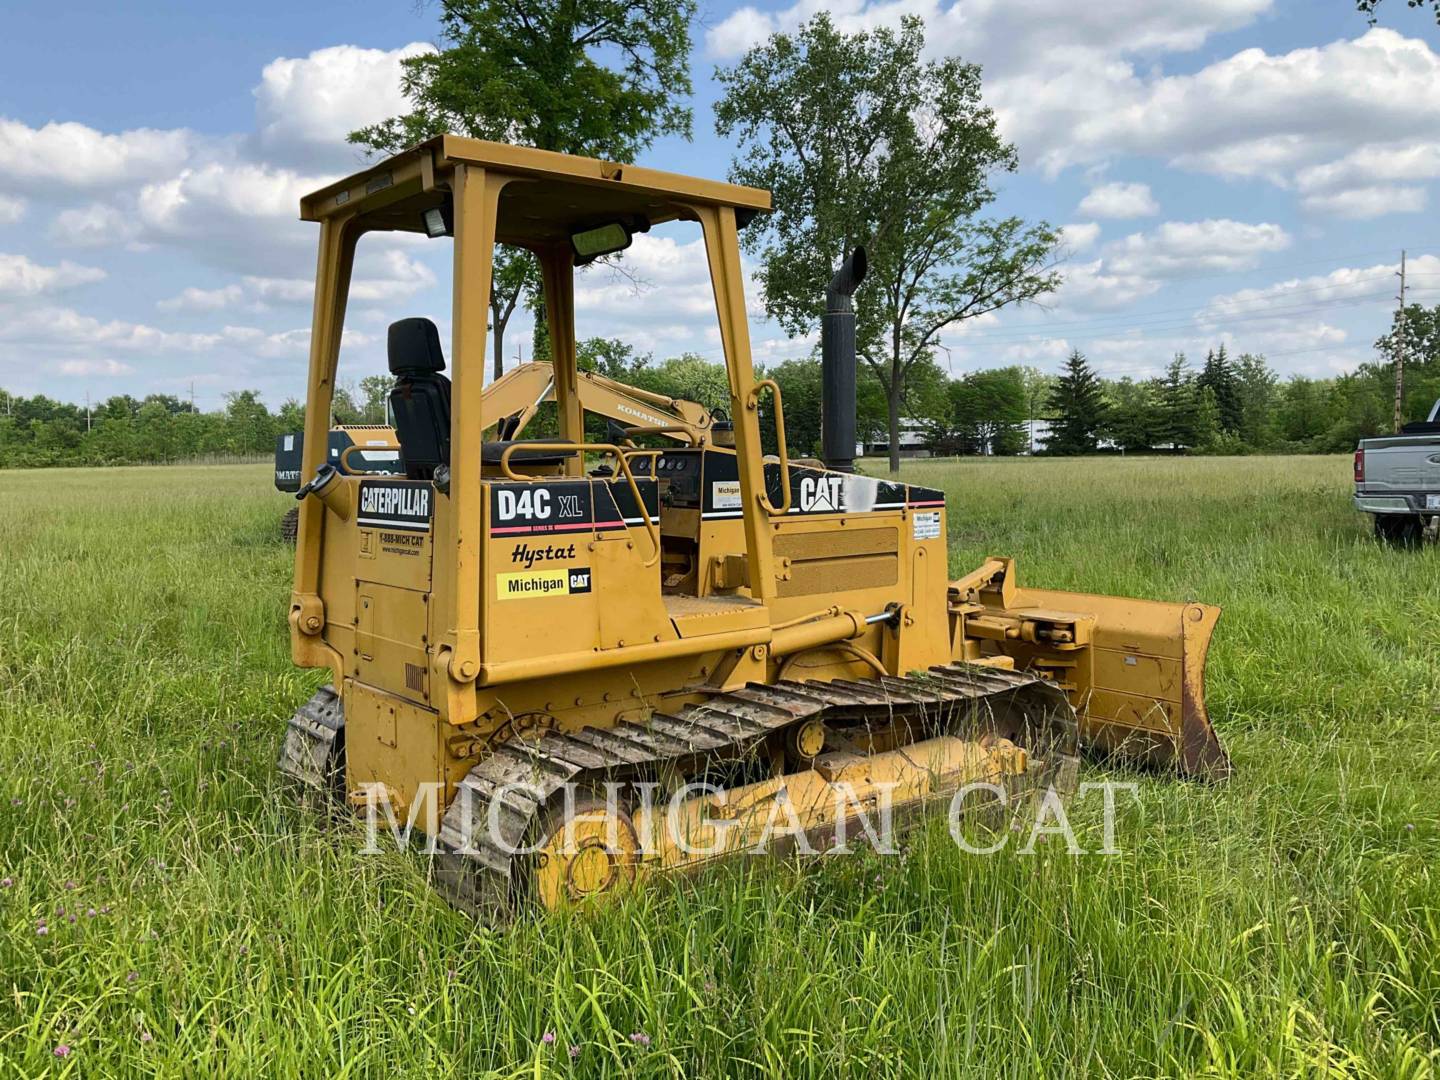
553 196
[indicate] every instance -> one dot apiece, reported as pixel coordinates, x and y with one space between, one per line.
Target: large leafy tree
602 78
1130 420
863 140
1079 406
989 411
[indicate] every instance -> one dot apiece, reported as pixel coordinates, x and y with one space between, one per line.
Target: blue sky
1244 171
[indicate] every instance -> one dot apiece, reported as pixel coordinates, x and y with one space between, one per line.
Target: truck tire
1399 530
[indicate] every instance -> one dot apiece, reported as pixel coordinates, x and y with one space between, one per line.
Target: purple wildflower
548 1038
146 1037
574 1051
639 1038
6 883
91 913
130 978
62 1051
41 930
70 885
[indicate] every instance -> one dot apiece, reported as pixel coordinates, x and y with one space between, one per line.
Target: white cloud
665 302
1368 202
1359 115
1093 286
1345 285
52 327
239 216
193 299
94 225
95 367
1120 200
1079 237
1003 32
383 276
1186 247
71 155
305 106
12 209
21 277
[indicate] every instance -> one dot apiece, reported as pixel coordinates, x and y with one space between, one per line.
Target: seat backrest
420 401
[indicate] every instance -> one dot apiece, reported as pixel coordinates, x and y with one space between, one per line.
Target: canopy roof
552 196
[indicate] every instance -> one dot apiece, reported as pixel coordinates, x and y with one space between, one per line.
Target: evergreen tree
1078 403
1176 421
1218 376
1258 401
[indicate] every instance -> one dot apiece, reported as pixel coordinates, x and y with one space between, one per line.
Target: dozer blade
1139 687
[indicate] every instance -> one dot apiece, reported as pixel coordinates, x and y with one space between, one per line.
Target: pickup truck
1397 480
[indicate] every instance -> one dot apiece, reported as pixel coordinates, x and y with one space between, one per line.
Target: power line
1167 325
1198 308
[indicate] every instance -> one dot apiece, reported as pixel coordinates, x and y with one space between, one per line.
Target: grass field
1287 923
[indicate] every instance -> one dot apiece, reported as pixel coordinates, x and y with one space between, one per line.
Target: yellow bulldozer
576 664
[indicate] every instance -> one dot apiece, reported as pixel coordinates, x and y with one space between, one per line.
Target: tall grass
1287 923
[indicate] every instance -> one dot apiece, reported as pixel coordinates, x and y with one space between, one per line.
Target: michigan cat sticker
566 581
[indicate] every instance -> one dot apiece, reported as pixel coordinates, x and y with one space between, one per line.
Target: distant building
914 440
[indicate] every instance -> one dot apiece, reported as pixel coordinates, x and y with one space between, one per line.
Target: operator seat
420 400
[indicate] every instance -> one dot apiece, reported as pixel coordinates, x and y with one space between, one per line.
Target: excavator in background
574 677
515 399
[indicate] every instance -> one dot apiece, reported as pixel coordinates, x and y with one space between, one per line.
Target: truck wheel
1399 530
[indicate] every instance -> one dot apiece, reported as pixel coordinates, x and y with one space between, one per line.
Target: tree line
1222 405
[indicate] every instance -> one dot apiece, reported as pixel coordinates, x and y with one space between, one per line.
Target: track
957 698
482 877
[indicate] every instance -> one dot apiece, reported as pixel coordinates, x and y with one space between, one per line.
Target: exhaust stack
837 365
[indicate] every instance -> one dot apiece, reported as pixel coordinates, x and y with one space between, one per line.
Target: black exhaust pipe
837 365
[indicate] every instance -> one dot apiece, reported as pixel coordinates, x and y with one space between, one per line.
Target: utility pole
87 412
1400 347
192 396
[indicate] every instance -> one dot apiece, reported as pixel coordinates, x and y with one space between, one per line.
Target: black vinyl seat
420 400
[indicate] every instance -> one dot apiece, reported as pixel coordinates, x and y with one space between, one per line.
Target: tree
537 73
343 407
988 412
610 357
862 140
1179 405
1416 336
1256 385
1131 414
1038 387
251 428
1218 377
799 382
1078 403
375 397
